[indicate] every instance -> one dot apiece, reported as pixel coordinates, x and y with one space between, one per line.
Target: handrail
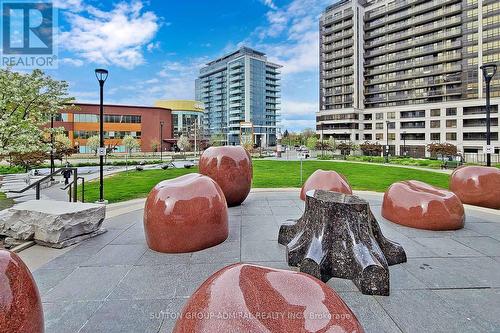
75 193
40 181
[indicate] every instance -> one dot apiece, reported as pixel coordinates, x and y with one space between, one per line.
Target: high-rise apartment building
241 87
409 69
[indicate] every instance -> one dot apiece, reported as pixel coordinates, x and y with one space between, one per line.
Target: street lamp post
489 71
52 167
387 147
101 75
404 143
161 140
322 146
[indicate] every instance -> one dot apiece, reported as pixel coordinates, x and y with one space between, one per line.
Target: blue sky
154 49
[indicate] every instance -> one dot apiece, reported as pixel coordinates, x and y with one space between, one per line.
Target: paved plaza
114 283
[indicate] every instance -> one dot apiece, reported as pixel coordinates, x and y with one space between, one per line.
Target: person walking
67 174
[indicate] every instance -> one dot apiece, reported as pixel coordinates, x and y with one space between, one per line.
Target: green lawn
267 174
4 202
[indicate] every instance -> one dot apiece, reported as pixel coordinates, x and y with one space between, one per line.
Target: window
451 111
435 112
451 123
435 136
451 136
435 123
379 116
392 136
61 117
85 118
368 126
391 115
379 125
379 136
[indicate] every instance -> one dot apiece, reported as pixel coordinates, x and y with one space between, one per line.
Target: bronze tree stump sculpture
338 236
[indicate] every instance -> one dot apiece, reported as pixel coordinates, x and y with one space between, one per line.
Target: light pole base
103 202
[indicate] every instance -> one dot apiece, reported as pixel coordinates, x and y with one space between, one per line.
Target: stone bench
52 223
477 185
419 205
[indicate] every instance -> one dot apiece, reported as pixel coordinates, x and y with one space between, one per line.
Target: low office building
241 94
141 122
406 73
187 117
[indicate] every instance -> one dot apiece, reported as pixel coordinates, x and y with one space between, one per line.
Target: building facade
141 122
405 73
241 87
187 116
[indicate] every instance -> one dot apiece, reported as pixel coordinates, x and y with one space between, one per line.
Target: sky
154 49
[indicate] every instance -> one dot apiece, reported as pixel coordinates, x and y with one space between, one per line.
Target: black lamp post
52 146
322 146
161 140
489 71
101 75
404 143
387 147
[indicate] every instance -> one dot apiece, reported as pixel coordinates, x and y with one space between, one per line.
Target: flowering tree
27 103
155 145
183 143
130 143
93 143
63 147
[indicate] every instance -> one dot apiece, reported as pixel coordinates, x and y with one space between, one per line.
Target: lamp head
489 70
101 74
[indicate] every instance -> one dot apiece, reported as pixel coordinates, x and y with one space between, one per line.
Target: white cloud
298 108
117 37
72 61
270 4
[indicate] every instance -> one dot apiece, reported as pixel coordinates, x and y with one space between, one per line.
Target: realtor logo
28 31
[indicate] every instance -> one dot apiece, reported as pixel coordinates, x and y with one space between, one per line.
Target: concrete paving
114 283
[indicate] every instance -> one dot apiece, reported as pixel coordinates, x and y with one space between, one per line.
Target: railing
73 196
73 193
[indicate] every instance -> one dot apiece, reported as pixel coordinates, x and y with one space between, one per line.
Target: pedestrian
67 172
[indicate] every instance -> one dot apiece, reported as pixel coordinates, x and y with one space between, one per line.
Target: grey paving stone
124 221
400 278
227 252
171 314
447 247
149 282
282 203
485 245
478 215
478 305
152 258
234 228
252 211
93 245
486 229
471 272
414 249
254 220
234 211
46 279
87 284
370 314
260 232
66 260
117 254
130 236
342 285
262 250
128 316
292 211
68 317
194 275
424 311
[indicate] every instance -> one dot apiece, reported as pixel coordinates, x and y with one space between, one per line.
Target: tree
155 145
27 103
285 134
332 144
93 143
62 147
28 159
312 142
130 143
371 149
217 139
183 143
444 149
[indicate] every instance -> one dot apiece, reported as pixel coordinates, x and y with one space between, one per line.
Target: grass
267 174
4 202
